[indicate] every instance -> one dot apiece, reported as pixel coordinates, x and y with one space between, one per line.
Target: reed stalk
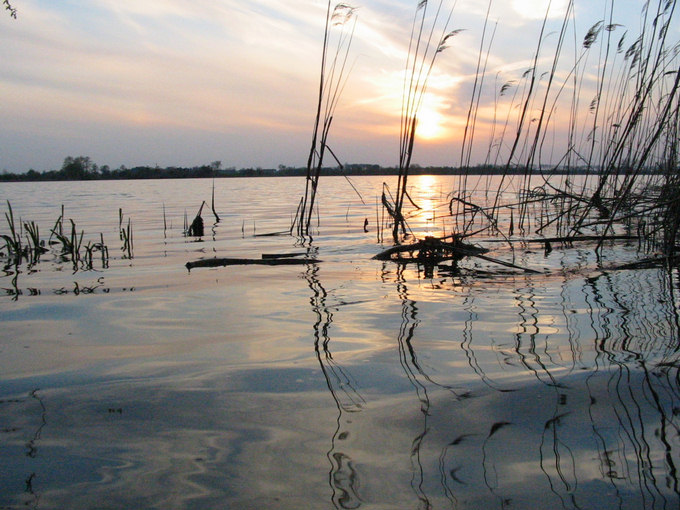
212 203
332 79
429 37
624 136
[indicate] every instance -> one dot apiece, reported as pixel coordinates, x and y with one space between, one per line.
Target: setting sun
430 125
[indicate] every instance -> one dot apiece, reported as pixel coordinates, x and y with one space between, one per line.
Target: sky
186 83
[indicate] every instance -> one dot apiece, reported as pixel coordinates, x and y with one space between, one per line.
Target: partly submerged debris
431 251
196 229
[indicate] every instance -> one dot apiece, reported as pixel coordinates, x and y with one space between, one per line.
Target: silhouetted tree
78 168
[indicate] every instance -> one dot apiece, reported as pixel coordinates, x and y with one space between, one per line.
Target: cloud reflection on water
406 431
362 385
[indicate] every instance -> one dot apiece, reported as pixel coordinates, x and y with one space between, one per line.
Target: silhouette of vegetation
83 168
66 242
8 7
625 140
331 83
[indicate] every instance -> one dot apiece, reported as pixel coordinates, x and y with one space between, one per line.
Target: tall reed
607 109
125 234
332 79
429 37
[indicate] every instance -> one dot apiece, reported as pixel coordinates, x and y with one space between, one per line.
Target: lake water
351 383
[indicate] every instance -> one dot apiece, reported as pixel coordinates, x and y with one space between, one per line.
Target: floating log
272 234
566 239
282 255
228 261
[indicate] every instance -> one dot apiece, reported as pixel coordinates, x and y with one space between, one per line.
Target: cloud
538 9
231 67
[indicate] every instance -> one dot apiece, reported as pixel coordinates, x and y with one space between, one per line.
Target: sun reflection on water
429 195
342 384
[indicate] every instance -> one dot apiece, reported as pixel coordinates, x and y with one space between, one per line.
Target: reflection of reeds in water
409 362
343 477
632 389
593 392
527 336
642 378
30 497
422 382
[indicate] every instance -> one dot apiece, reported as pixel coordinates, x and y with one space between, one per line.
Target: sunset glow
430 125
157 82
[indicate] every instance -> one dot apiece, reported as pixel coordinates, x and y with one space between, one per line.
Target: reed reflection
527 335
12 271
638 424
343 478
26 490
422 382
468 305
409 362
592 408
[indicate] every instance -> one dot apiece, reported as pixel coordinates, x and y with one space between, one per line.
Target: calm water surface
352 383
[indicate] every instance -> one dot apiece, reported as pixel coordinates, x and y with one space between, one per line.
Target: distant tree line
82 168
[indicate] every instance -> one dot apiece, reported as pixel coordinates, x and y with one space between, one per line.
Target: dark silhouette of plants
8 7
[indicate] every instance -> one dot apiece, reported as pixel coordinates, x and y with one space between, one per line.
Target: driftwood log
266 260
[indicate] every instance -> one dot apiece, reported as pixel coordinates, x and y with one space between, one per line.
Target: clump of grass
81 254
36 246
16 250
620 96
13 240
33 235
70 241
91 248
